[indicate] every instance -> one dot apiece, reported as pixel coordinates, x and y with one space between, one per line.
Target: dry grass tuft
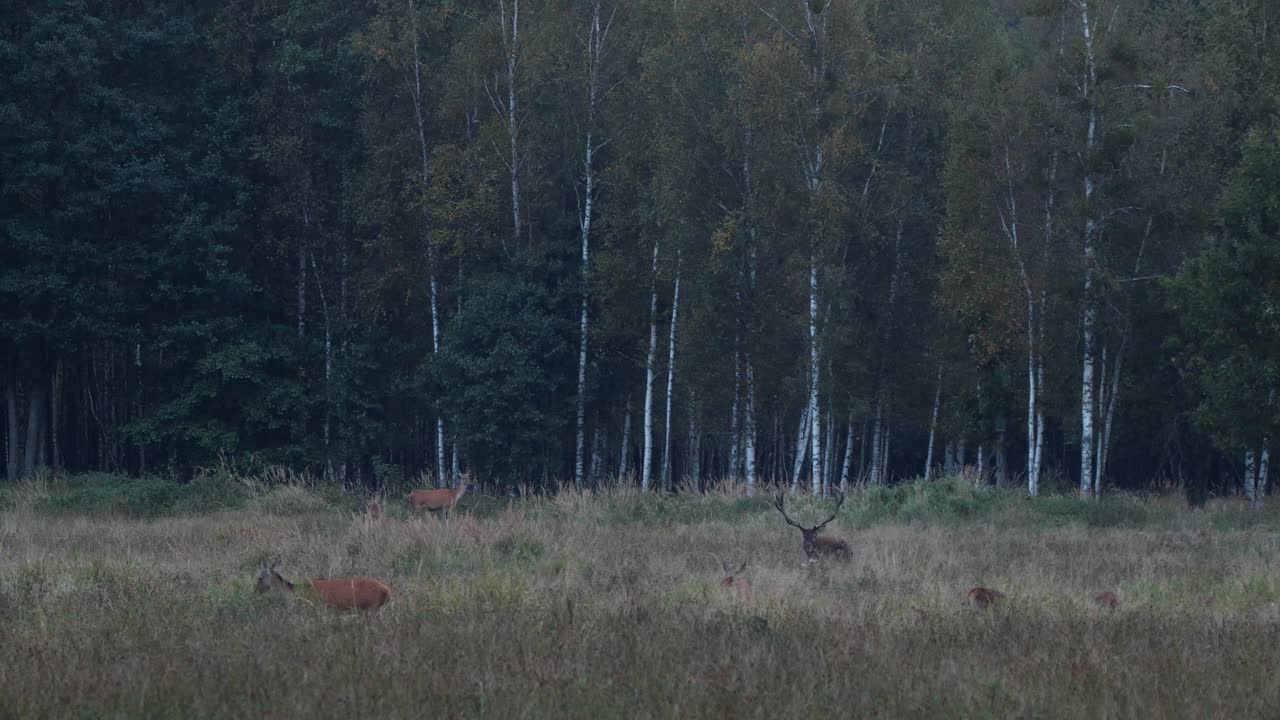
610 605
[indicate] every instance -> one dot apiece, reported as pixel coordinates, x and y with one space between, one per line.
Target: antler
778 502
833 512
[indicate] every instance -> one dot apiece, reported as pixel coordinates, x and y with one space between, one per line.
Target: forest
558 242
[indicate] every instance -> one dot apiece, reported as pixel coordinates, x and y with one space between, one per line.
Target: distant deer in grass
736 580
1106 599
443 499
816 547
353 593
371 508
980 598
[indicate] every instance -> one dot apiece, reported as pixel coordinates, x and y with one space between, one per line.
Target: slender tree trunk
695 444
734 438
302 278
815 416
884 457
1250 478
647 463
435 350
55 404
13 442
1088 313
418 100
671 377
749 430
595 49
802 442
1260 487
511 52
35 428
848 451
597 450
625 454
982 467
877 437
933 427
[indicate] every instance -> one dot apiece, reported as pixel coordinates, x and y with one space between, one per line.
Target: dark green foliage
150 496
503 377
1227 298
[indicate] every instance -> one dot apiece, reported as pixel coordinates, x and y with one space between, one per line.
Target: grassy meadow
609 606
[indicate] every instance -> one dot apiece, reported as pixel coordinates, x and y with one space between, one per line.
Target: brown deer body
1106 599
816 547
443 499
981 598
353 593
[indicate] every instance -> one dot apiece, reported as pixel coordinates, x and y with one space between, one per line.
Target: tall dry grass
608 605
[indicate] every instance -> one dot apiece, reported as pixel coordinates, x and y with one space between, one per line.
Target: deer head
815 546
271 578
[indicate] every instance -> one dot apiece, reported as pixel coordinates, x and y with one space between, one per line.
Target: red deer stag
362 593
443 499
816 547
981 598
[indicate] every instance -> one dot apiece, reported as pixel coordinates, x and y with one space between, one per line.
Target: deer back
354 593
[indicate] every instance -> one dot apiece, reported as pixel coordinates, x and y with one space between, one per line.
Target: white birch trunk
595 49
982 467
815 416
1250 477
597 450
418 101
884 455
647 460
848 451
1101 399
511 52
933 427
877 430
671 377
802 444
1088 303
734 438
435 349
1260 486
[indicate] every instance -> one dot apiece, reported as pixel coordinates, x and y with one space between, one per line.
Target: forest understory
610 605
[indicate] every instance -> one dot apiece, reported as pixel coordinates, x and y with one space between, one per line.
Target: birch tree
597 34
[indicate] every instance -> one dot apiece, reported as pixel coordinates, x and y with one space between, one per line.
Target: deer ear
725 567
743 567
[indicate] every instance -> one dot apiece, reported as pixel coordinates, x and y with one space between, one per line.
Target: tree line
804 242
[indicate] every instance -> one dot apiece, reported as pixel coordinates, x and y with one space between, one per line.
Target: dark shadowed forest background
812 242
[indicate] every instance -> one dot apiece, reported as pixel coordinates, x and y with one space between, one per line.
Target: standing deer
363 593
442 499
817 547
981 598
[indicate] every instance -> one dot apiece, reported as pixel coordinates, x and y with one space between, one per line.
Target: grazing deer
981 598
1106 599
361 593
817 547
443 499
735 580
